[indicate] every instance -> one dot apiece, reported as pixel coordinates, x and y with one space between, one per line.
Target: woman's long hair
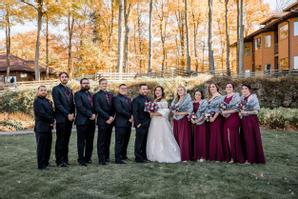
202 93
177 95
162 93
209 93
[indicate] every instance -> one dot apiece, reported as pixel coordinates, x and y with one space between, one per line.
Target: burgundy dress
215 139
252 139
231 138
199 138
182 132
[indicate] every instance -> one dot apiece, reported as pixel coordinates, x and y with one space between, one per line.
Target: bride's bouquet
151 107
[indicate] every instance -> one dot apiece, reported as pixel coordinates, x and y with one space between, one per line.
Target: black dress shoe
125 158
83 164
139 161
107 160
89 162
119 162
62 164
102 163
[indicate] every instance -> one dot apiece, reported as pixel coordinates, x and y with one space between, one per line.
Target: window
267 41
268 67
296 62
284 63
296 28
258 43
23 75
247 51
283 32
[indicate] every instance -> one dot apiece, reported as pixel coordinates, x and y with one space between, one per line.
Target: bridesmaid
181 107
231 139
215 123
250 124
199 127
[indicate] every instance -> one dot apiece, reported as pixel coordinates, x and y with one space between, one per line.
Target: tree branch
29 4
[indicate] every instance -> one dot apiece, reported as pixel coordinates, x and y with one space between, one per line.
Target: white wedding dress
161 143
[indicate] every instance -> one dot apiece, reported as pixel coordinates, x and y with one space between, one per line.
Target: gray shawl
184 106
201 111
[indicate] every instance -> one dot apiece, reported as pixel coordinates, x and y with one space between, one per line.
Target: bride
161 143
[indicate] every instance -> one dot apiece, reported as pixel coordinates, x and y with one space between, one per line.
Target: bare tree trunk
111 25
195 34
188 60
227 38
177 53
7 38
210 49
120 36
181 26
163 30
241 38
126 15
70 26
37 46
47 47
140 43
149 69
222 44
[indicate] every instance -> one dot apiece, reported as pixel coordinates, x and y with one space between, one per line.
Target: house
273 47
22 69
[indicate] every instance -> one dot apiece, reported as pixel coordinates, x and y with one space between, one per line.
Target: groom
141 123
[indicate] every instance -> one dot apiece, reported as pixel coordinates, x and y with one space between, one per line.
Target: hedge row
272 93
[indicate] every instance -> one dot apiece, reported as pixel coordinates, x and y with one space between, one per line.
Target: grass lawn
19 177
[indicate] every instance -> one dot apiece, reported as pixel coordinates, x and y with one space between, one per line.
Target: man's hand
70 117
139 125
110 120
131 119
92 117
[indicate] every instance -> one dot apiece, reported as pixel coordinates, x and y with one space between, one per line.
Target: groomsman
44 120
64 115
105 117
141 123
85 122
123 122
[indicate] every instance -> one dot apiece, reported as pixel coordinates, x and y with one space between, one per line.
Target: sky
29 26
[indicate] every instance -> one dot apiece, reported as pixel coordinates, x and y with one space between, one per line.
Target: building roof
271 24
293 6
20 65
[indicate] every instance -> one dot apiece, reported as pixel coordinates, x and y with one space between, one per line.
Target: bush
17 102
279 118
11 125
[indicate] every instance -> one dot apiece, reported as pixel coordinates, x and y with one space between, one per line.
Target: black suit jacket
84 106
44 115
123 110
103 107
63 101
139 115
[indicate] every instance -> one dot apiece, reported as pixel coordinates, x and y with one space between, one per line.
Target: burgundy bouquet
192 117
151 107
223 106
174 108
208 116
241 107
